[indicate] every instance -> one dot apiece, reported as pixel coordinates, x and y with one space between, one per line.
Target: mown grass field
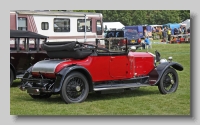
144 101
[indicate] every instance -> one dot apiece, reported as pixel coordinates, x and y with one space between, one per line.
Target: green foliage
93 11
138 17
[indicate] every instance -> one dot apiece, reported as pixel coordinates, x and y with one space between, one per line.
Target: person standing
175 31
145 33
164 34
169 34
188 30
180 31
147 42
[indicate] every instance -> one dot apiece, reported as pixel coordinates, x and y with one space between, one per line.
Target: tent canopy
186 23
110 25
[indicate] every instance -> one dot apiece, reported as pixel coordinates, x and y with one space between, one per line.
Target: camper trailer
60 26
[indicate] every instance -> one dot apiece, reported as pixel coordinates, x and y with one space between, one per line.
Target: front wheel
75 88
169 81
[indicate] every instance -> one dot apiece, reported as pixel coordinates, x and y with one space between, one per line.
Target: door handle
111 58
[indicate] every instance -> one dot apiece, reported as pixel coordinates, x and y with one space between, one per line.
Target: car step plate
118 86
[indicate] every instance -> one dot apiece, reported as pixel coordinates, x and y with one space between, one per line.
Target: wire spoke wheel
75 88
169 81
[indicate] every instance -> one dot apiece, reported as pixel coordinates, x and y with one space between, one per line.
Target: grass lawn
143 101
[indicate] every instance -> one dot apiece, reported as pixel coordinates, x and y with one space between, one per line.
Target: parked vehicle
82 68
117 44
24 51
60 26
140 29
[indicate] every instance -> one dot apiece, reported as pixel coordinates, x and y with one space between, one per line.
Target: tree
140 17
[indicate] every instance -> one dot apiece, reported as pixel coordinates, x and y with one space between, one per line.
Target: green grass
144 101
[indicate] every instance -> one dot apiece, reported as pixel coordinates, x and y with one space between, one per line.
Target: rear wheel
11 77
169 81
75 88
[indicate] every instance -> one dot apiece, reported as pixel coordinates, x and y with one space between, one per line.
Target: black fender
163 66
60 77
27 72
13 69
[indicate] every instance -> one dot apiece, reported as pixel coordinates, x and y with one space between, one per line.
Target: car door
118 66
20 59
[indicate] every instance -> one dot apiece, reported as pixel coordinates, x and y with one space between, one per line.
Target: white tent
186 23
111 25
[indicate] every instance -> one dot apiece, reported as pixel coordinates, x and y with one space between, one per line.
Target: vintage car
76 69
25 51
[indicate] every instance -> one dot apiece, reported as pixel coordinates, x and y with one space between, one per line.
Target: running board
118 86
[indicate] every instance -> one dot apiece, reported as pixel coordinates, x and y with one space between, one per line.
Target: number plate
132 41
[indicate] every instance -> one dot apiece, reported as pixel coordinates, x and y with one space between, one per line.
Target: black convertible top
25 34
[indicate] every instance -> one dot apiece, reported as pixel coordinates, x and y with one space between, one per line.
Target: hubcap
172 81
78 88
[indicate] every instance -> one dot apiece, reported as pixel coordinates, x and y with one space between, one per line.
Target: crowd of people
167 33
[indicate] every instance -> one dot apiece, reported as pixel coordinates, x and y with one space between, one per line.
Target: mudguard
27 73
65 71
163 66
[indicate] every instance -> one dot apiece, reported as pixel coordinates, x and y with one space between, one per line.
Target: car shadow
56 99
125 94
16 83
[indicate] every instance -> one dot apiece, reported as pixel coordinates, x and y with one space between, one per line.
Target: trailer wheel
42 96
169 81
11 77
75 88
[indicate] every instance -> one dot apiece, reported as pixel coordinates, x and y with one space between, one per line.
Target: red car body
75 71
104 68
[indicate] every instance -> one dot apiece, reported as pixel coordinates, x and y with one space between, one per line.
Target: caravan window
99 27
45 25
81 25
61 25
22 23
